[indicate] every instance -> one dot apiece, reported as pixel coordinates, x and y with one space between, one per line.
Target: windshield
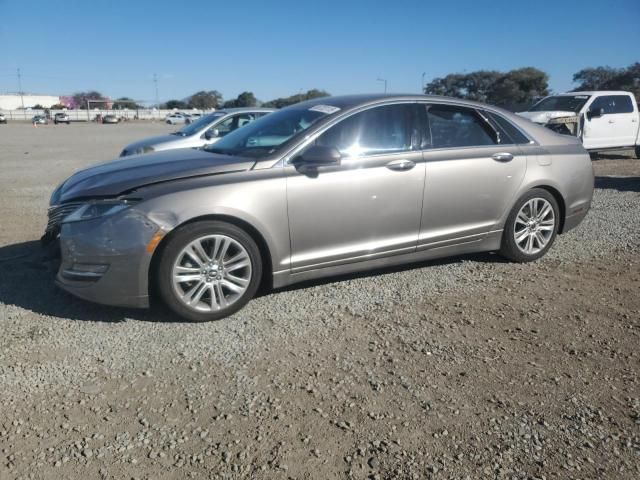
199 124
564 103
269 133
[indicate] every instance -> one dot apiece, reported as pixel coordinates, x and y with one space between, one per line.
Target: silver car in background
205 130
321 188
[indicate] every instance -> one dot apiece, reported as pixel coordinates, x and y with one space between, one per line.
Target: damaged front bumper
106 260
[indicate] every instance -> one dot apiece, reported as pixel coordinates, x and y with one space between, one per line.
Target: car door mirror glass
595 113
212 133
319 155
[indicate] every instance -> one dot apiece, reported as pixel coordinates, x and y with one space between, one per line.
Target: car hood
116 177
160 139
544 117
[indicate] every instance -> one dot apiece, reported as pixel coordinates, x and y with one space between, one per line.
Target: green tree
171 104
286 101
125 102
204 100
607 78
245 99
595 78
80 99
513 89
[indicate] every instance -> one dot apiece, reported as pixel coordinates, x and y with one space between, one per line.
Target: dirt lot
464 368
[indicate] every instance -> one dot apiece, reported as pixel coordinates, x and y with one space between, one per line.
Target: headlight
97 209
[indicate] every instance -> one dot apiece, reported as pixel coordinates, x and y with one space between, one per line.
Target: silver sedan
321 188
205 130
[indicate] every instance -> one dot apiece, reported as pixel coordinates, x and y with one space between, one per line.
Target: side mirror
318 156
209 134
598 112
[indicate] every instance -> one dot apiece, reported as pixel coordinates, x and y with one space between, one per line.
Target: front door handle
502 157
401 165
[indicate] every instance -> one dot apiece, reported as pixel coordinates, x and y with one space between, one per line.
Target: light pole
155 81
422 82
385 83
21 94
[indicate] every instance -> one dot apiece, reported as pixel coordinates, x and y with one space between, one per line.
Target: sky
279 48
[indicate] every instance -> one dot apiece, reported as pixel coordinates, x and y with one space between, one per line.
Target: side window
613 104
223 127
453 126
379 130
514 135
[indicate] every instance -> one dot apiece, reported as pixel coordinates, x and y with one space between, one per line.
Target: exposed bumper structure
107 260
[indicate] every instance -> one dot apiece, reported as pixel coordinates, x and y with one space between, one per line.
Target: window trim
288 156
467 107
524 134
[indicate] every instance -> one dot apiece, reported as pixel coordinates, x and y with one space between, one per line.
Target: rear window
514 135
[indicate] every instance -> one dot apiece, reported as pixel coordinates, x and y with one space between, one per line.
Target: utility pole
155 81
21 94
385 83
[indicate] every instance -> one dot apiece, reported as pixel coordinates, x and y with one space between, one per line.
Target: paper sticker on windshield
328 109
582 96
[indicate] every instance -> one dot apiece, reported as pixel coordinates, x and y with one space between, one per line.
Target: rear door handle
401 165
502 157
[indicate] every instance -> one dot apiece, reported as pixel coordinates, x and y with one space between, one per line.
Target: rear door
473 173
618 126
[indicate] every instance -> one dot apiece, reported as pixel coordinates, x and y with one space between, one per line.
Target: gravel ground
469 367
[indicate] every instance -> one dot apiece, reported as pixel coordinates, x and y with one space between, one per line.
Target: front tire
638 152
208 270
531 227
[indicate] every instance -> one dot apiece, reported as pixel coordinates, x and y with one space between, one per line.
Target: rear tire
208 270
531 227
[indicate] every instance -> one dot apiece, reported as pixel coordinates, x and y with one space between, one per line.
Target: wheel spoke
223 249
241 260
193 255
529 247
544 212
239 282
522 218
521 235
222 301
194 294
541 240
199 249
188 278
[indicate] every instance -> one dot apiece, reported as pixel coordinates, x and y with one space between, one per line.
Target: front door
367 206
617 127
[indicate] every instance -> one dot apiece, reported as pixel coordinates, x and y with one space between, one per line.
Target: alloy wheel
211 273
534 226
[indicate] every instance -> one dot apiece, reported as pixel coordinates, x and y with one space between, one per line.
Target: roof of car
350 101
244 109
593 92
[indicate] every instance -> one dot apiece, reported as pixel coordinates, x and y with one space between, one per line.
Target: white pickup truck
603 120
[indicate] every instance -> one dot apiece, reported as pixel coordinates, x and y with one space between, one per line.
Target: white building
13 101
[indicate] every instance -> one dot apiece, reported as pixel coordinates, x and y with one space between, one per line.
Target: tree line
515 90
519 88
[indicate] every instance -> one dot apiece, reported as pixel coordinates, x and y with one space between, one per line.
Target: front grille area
57 213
